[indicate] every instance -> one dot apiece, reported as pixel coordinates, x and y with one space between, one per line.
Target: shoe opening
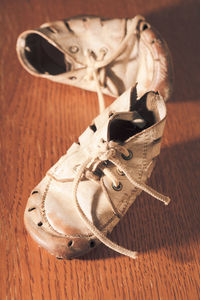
121 130
140 118
44 57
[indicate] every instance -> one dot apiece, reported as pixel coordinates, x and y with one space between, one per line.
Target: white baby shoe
86 193
96 54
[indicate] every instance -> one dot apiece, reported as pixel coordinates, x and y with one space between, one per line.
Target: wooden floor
41 119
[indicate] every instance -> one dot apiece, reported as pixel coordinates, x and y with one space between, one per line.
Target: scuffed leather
145 61
53 203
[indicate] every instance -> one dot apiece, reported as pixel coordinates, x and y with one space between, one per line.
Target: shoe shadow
149 225
179 26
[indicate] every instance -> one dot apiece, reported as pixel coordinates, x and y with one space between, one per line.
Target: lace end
167 200
133 254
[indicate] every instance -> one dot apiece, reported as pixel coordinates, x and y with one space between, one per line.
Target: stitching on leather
43 212
126 199
157 59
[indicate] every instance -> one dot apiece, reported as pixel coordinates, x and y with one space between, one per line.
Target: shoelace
96 64
107 152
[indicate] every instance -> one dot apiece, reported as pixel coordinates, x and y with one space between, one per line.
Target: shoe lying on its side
85 194
95 54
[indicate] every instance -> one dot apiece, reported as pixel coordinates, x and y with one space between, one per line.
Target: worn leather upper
58 51
54 201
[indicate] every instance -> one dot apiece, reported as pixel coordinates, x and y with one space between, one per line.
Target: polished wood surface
41 119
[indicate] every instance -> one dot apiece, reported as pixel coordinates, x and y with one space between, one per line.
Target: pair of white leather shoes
86 193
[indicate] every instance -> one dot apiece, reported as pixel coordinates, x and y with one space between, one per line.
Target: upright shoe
86 193
96 54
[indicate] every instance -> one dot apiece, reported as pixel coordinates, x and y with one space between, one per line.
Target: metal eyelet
127 157
121 173
74 49
117 188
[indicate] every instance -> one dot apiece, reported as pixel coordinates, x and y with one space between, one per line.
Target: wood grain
40 119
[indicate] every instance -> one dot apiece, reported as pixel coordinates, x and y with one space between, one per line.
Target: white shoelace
96 64
107 152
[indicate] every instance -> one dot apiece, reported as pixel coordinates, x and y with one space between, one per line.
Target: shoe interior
121 130
44 57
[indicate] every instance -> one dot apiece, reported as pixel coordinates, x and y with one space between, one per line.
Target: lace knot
107 155
105 150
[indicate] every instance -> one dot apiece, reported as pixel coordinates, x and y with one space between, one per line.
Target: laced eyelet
117 188
121 173
127 157
74 49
